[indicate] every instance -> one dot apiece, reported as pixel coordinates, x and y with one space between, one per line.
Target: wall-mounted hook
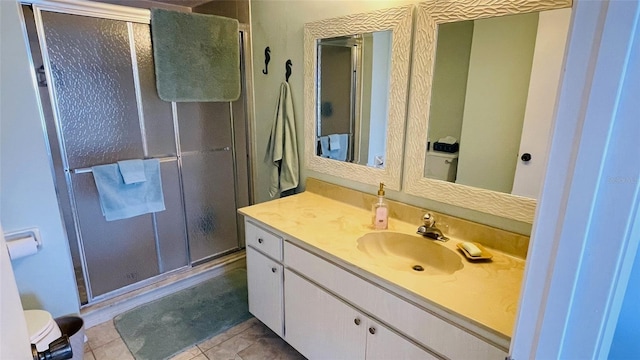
287 66
267 58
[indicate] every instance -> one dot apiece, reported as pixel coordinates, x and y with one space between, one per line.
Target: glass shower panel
204 126
118 253
90 60
157 114
210 203
170 224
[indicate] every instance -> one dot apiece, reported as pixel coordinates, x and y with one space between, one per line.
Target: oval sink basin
410 252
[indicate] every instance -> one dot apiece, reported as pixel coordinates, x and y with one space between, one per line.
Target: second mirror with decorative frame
355 100
473 79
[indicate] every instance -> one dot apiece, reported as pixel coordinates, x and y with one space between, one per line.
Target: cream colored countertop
484 294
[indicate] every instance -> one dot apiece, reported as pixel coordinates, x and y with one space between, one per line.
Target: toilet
441 166
42 329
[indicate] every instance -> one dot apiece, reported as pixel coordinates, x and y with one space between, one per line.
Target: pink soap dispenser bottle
380 211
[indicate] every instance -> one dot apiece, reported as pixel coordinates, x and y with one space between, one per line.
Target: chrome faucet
430 230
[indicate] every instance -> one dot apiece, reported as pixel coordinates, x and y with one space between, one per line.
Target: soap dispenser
380 211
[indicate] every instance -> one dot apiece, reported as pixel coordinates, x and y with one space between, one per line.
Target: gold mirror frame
399 21
429 15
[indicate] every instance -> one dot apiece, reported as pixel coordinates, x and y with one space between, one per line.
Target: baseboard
107 310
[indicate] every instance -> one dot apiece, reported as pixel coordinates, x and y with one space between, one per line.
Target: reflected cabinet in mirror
356 74
484 85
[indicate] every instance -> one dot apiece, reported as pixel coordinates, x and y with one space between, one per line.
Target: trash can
73 327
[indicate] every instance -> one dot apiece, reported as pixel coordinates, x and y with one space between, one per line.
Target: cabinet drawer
423 327
264 241
265 282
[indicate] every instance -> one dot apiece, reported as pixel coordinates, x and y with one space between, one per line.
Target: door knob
260 240
372 330
356 321
273 269
525 157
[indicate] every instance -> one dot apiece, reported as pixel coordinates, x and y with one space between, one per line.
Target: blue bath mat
169 325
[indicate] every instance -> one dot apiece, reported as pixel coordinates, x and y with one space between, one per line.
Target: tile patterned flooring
250 340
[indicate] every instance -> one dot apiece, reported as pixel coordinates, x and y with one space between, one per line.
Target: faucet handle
429 220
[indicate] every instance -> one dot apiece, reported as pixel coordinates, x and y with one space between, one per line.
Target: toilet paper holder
23 234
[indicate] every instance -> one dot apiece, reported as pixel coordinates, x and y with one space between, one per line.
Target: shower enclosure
96 79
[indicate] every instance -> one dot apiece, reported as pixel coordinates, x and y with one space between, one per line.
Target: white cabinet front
384 344
320 326
264 278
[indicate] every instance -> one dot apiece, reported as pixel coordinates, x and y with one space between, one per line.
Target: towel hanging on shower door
282 151
196 56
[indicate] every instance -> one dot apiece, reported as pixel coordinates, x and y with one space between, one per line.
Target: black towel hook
267 58
287 66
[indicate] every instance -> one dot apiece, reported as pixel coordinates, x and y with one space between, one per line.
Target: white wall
27 194
625 344
449 86
499 72
380 71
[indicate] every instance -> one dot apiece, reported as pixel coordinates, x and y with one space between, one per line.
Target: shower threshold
99 312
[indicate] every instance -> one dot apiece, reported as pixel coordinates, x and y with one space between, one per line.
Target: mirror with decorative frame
363 110
479 69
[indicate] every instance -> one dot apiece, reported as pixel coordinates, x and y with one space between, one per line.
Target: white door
264 277
384 344
541 101
319 325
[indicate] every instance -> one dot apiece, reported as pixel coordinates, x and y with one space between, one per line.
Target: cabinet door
264 278
319 325
384 344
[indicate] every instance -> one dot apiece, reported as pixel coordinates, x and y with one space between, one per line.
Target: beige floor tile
188 354
102 334
88 355
228 349
87 348
220 353
114 350
259 330
200 357
272 348
220 338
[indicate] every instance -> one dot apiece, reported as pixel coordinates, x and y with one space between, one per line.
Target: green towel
282 151
197 57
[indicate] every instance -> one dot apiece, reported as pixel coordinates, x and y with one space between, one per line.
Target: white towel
341 152
282 151
334 142
324 146
448 140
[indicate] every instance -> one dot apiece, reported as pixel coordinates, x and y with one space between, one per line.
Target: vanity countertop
484 294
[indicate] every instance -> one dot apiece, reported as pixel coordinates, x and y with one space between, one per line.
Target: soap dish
485 255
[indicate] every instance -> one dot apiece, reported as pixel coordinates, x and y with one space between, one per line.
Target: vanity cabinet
265 277
321 326
329 312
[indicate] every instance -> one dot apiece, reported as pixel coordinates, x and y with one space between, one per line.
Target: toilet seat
42 328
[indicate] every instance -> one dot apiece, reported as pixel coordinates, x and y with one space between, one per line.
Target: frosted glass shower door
208 174
107 110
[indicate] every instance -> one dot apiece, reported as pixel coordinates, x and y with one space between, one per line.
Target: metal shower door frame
129 15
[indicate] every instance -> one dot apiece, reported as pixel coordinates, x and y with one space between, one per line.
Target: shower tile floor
250 340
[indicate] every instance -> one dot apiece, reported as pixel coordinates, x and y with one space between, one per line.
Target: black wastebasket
73 327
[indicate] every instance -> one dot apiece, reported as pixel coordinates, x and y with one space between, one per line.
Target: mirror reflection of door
494 83
352 104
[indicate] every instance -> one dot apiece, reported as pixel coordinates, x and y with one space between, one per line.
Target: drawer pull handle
260 240
372 330
356 321
273 270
